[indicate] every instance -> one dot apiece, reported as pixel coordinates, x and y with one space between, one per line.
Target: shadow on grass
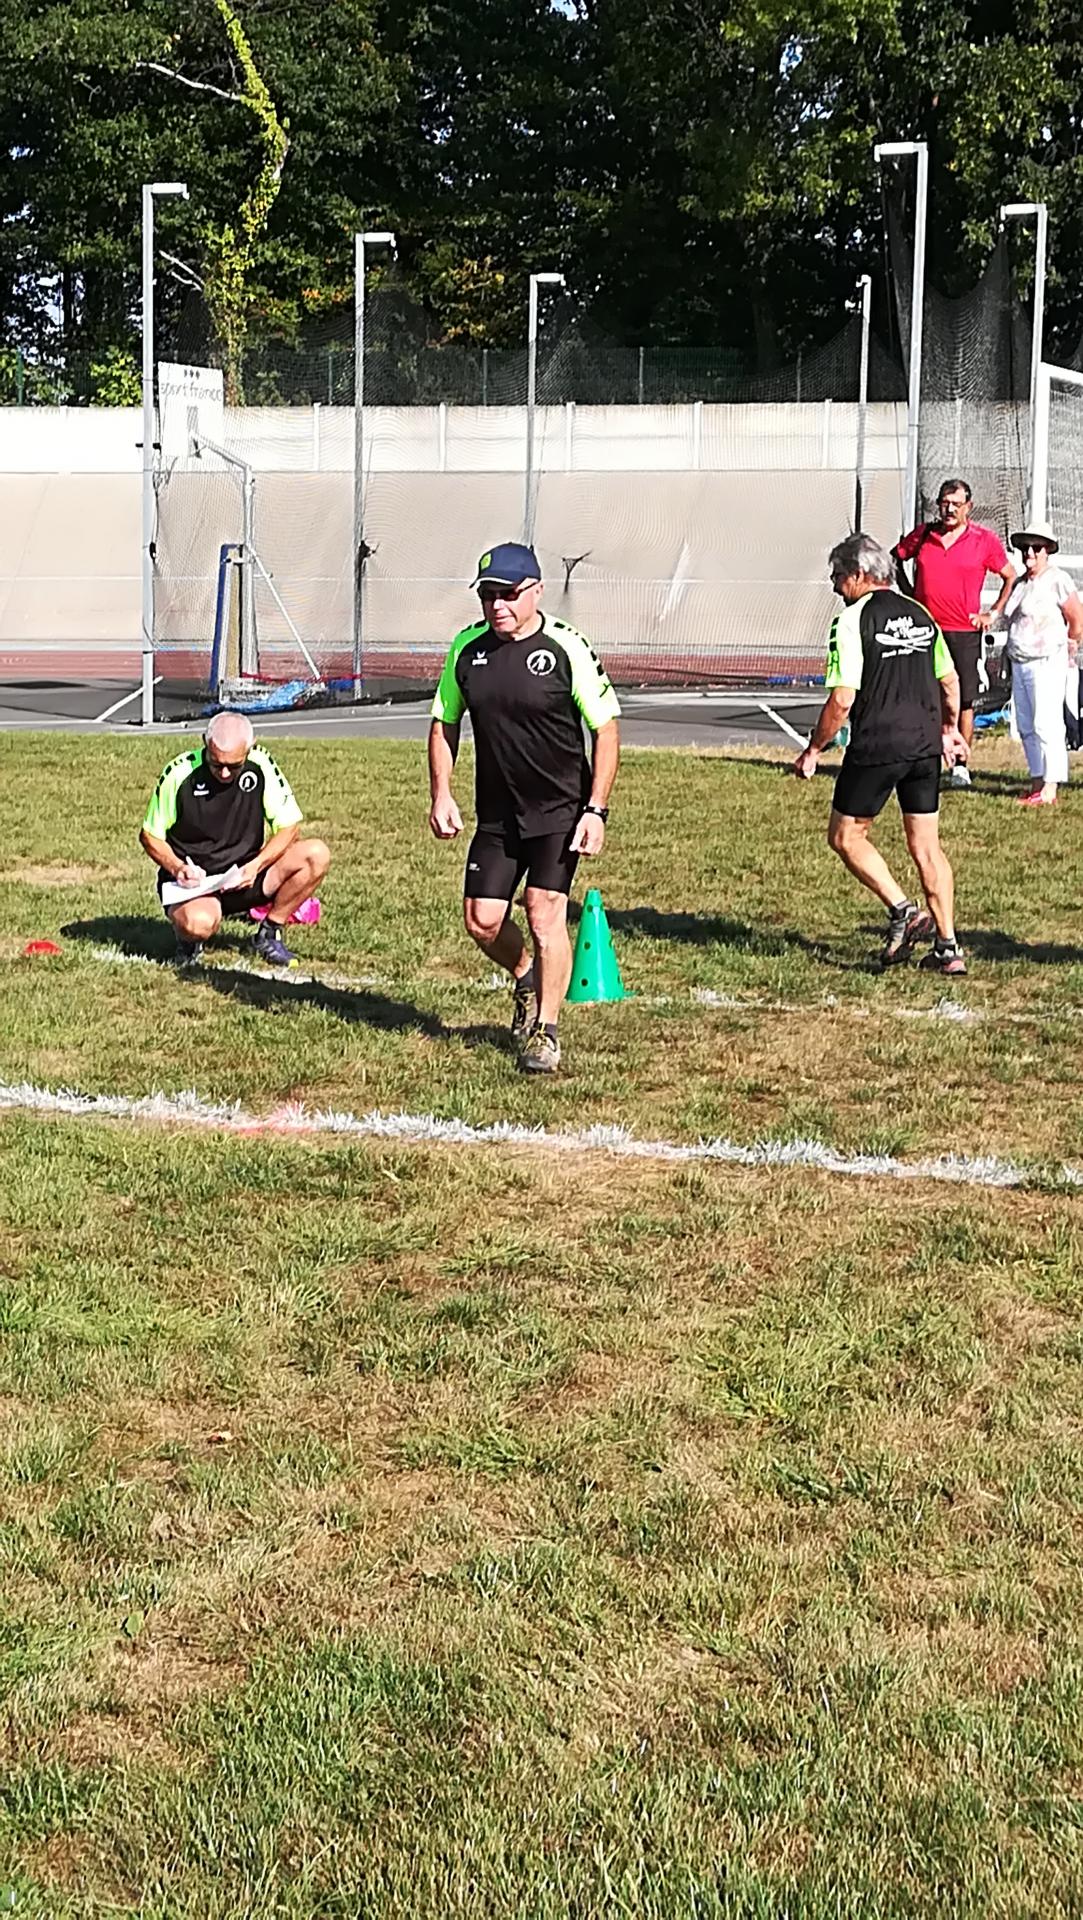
144 936
353 1005
712 929
991 943
146 939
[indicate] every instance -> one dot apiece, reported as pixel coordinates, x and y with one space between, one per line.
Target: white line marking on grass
953 1012
286 976
189 1109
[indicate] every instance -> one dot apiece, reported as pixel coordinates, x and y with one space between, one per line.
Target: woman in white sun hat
1044 616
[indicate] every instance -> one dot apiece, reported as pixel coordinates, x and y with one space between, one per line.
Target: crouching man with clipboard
222 828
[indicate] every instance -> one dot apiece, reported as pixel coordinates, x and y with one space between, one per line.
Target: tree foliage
701 172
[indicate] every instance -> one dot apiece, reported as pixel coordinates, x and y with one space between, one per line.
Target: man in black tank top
890 676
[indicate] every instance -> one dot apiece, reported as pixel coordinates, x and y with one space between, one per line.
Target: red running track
120 661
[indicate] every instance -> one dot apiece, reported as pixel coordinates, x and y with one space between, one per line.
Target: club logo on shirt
904 635
480 660
248 781
540 661
201 792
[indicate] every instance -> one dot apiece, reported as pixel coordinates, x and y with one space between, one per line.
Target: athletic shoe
944 959
908 924
959 776
540 1052
524 1014
269 946
188 953
1038 799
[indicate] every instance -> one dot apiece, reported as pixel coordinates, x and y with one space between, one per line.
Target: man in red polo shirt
951 558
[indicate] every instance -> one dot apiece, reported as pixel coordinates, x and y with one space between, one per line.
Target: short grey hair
230 730
859 553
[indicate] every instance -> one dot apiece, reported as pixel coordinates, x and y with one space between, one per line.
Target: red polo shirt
948 580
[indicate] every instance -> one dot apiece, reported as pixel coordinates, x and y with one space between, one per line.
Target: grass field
395 1530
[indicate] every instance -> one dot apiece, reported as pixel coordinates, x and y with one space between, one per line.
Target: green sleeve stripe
943 664
845 654
161 811
448 704
592 689
280 809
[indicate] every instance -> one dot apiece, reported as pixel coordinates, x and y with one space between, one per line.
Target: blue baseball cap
506 565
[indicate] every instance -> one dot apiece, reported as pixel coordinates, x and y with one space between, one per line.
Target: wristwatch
602 812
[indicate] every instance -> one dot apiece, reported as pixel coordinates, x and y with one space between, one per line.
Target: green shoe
540 1053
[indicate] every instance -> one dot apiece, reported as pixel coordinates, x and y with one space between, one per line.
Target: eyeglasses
1034 546
490 590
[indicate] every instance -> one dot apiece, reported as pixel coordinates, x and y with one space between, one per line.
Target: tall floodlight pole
530 501
893 149
160 189
865 291
361 241
1021 210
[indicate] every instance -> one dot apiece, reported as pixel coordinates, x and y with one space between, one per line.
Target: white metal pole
530 491
531 396
1039 449
920 150
150 190
361 241
249 644
358 456
1038 322
1020 210
147 706
865 284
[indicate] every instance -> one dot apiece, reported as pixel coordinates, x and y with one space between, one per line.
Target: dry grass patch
28 873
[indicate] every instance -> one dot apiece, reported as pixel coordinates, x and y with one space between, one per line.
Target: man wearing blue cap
528 682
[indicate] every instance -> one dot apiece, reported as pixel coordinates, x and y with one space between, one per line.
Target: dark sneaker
540 1052
524 1014
270 947
189 953
907 925
944 959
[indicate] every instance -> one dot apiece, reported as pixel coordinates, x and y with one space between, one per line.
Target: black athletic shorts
863 792
965 650
234 904
498 860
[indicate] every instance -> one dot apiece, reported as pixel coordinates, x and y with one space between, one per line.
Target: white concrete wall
671 561
818 437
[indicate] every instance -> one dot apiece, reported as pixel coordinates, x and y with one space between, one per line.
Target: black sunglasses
491 590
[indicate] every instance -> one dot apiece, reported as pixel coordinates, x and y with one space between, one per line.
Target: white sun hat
1037 530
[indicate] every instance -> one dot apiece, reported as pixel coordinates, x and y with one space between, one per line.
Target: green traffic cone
595 972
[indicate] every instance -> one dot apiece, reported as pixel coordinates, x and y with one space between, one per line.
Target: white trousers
1038 698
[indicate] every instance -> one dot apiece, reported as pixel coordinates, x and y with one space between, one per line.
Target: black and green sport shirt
215 823
528 700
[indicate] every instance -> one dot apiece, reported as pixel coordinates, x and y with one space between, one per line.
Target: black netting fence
975 377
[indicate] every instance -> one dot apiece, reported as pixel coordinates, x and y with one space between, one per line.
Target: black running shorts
234 904
497 862
965 650
863 792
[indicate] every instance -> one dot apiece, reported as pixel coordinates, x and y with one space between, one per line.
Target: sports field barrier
688 541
